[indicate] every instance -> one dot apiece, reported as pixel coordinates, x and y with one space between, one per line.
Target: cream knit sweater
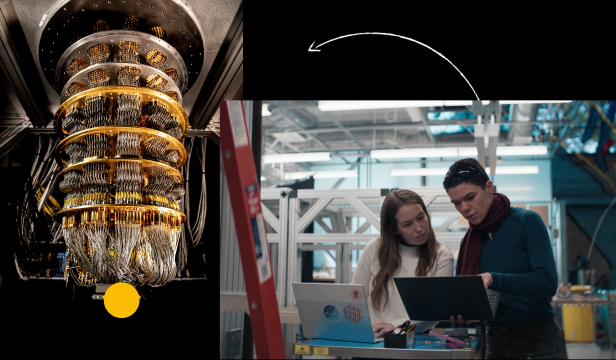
394 312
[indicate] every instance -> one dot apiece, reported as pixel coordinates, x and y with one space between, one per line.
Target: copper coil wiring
76 152
100 25
129 76
173 74
72 181
156 82
76 66
128 183
128 51
173 127
98 54
173 95
128 143
131 23
74 120
158 187
154 148
155 58
172 156
98 111
95 184
73 199
98 145
75 88
158 31
177 190
98 77
159 117
128 110
140 249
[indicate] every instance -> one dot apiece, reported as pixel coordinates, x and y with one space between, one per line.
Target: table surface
435 349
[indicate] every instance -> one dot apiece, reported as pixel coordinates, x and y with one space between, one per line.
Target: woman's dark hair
465 170
389 258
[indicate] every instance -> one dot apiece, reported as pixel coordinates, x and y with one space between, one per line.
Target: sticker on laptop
352 314
331 313
356 294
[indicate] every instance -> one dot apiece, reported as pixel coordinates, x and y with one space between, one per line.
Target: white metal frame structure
279 224
365 203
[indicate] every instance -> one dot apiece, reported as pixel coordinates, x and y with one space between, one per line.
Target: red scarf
470 248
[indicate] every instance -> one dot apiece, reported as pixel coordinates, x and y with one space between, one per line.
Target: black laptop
437 298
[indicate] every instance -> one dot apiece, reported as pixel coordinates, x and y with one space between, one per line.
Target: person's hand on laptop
486 278
380 328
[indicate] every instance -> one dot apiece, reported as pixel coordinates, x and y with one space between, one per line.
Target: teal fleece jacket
520 259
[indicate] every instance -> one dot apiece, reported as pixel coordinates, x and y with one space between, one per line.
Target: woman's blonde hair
389 258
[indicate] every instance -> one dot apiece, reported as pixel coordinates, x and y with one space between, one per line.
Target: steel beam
11 137
19 67
224 75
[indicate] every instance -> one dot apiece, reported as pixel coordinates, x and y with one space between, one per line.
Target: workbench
420 350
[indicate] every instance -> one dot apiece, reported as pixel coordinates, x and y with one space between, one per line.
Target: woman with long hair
407 247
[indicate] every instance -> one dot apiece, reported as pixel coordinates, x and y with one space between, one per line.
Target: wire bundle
156 82
100 25
127 233
128 144
97 145
98 54
73 122
131 23
173 95
173 74
154 148
73 199
160 119
98 77
75 88
98 111
155 59
129 110
158 31
95 184
129 75
128 183
76 66
72 181
173 127
158 186
76 153
128 51
175 192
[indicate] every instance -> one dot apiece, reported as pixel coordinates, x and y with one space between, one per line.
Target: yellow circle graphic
121 300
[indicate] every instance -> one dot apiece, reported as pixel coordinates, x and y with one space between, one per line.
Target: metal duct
522 134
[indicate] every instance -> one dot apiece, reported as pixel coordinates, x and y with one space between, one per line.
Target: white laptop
334 312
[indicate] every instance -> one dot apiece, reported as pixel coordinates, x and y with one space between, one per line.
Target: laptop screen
437 298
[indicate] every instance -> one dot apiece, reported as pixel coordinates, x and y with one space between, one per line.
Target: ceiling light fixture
500 170
265 111
462 152
298 157
372 105
321 174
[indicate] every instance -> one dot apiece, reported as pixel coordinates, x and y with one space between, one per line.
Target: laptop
437 298
334 312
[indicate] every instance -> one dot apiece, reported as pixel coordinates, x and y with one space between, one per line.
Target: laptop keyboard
491 299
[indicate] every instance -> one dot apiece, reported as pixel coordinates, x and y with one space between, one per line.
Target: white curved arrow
311 49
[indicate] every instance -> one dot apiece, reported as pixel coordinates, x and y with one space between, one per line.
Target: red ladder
250 227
